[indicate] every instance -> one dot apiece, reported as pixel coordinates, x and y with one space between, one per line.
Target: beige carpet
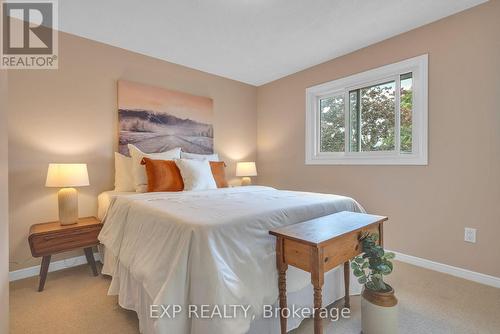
430 303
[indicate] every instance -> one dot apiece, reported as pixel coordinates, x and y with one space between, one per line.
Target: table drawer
50 243
345 248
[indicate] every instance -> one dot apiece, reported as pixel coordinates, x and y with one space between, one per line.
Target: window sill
367 160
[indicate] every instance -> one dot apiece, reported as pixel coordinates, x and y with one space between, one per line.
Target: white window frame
419 68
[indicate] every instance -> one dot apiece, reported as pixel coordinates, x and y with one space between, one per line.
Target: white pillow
196 174
124 179
139 171
194 156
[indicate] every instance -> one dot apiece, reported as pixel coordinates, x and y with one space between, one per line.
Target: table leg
89 254
318 279
381 234
347 276
318 303
282 267
44 269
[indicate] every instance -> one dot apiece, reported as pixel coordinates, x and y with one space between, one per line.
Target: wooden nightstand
50 238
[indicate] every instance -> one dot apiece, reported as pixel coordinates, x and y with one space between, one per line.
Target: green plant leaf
379 251
373 264
359 260
389 264
389 255
384 269
358 273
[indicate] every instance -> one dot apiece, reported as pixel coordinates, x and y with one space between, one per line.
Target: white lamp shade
246 169
67 175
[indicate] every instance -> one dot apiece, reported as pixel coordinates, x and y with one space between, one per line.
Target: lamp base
246 181
68 206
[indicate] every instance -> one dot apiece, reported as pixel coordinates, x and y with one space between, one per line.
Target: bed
209 247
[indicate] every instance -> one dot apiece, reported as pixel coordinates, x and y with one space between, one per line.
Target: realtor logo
29 35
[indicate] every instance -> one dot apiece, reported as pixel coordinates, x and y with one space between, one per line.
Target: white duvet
210 247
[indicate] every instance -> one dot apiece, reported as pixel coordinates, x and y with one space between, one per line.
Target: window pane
354 121
406 112
332 124
377 109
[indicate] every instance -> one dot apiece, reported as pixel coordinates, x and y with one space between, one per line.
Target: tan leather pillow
219 173
163 175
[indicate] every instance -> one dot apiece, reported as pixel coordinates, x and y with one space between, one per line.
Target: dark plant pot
379 312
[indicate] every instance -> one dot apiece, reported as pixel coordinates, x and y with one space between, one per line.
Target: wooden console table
319 245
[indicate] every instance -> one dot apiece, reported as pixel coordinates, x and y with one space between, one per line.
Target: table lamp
67 176
246 169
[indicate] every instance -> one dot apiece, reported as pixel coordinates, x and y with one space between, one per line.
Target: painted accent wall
428 206
70 115
4 218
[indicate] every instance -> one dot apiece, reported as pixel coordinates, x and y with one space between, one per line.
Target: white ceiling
253 41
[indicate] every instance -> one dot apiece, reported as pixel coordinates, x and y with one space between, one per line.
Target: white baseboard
416 261
54 266
447 269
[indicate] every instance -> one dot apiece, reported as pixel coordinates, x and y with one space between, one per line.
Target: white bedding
104 201
208 247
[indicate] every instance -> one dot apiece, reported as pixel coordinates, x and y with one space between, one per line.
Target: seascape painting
157 119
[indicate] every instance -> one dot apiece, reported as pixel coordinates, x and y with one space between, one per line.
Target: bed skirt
132 296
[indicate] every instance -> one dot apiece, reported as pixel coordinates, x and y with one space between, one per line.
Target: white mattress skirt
132 296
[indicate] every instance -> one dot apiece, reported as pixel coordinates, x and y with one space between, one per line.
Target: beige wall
428 206
4 221
70 115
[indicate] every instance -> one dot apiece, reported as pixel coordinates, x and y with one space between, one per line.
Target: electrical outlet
470 235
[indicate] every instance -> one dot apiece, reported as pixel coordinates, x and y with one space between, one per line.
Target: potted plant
379 313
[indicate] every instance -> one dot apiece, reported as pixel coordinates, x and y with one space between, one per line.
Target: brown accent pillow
163 175
219 173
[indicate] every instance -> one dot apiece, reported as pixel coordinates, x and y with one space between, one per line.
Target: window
378 117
